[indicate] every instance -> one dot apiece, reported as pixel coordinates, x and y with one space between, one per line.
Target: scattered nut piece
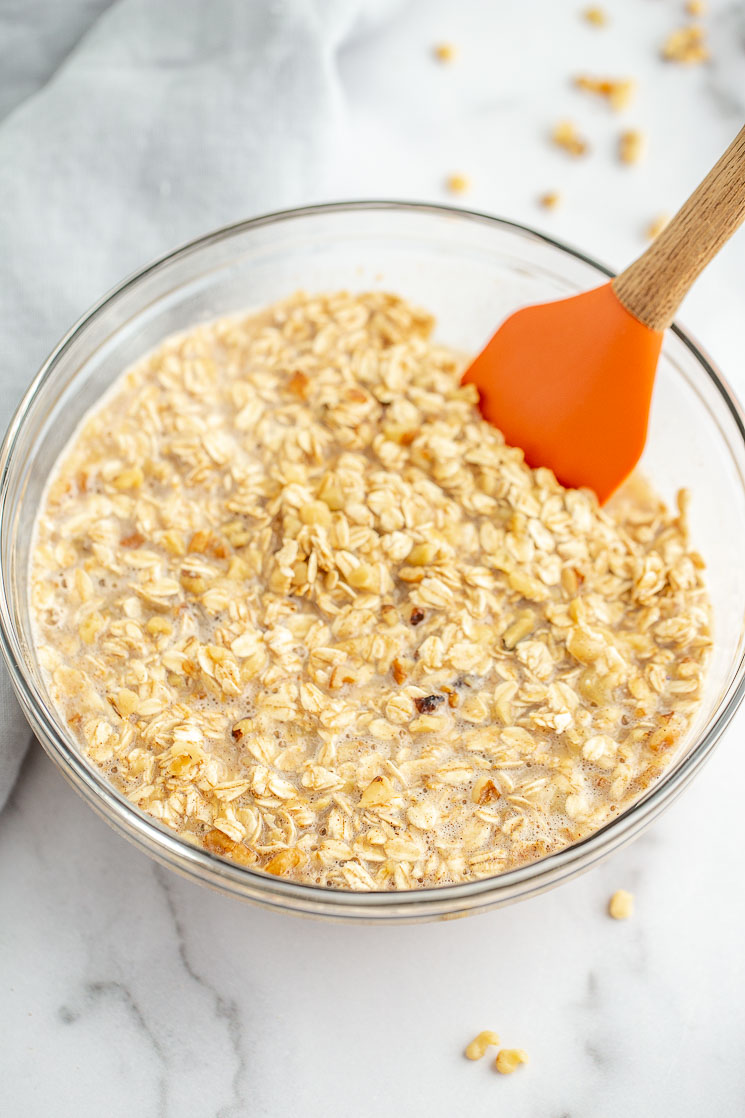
549 200
134 539
617 91
298 384
565 136
696 7
479 1044
484 791
218 843
284 862
656 226
457 184
631 146
378 791
389 614
621 905
398 671
510 1058
365 577
444 52
598 17
686 45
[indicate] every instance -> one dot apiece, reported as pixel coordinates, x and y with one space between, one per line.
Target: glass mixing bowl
470 270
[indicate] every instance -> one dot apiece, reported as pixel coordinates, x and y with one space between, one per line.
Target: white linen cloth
164 120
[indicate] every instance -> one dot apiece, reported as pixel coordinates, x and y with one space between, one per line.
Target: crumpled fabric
127 128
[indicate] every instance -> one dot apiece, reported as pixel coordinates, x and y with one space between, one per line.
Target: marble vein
226 1009
101 993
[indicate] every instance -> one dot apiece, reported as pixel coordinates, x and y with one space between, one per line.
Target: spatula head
570 382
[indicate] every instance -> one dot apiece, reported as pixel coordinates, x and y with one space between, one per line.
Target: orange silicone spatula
571 382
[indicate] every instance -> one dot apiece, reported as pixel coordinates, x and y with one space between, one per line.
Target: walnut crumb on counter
478 1046
444 52
621 905
509 1059
458 184
656 226
550 200
631 146
617 91
686 45
598 17
696 7
566 136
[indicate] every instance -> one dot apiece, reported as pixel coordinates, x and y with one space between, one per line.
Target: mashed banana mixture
302 604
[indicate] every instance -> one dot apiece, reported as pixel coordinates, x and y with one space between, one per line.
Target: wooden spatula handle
653 286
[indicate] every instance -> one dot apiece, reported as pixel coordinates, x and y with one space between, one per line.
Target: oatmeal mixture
300 603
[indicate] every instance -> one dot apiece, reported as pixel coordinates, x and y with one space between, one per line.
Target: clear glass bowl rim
194 862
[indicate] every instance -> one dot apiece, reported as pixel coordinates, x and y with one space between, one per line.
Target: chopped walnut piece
342 674
478 1046
596 16
508 1059
631 146
398 671
218 843
565 136
457 183
199 541
484 791
298 385
364 577
550 200
444 52
687 45
284 862
656 226
617 91
621 905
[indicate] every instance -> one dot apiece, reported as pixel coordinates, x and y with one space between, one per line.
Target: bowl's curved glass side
468 270
696 442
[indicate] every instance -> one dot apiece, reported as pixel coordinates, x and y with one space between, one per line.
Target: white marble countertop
127 991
